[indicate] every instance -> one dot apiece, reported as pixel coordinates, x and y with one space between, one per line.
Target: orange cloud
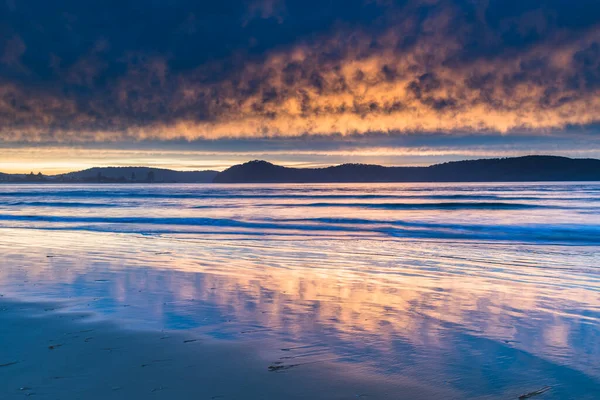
348 82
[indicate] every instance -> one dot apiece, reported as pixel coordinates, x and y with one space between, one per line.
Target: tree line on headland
515 169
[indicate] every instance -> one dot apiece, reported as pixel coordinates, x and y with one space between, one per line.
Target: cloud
270 68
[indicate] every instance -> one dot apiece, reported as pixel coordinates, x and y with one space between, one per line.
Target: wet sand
51 353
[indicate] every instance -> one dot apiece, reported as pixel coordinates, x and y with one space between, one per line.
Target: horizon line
294 167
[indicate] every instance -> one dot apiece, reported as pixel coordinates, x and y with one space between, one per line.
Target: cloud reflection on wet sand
358 303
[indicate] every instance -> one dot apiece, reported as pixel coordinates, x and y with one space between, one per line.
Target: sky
190 84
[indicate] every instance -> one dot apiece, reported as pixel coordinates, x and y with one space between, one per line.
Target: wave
174 221
236 194
59 204
434 206
564 233
558 233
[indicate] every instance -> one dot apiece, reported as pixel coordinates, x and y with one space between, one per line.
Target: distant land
515 169
117 175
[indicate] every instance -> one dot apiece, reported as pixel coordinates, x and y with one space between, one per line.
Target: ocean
487 289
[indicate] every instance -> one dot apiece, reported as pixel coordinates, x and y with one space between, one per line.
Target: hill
115 175
516 169
138 174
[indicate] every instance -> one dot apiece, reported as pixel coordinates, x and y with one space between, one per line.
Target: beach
51 353
296 291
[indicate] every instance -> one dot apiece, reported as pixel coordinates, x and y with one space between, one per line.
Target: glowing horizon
54 161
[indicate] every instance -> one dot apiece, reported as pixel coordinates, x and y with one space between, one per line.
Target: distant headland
515 169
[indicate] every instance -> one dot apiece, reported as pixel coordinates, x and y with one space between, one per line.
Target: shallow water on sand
487 289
